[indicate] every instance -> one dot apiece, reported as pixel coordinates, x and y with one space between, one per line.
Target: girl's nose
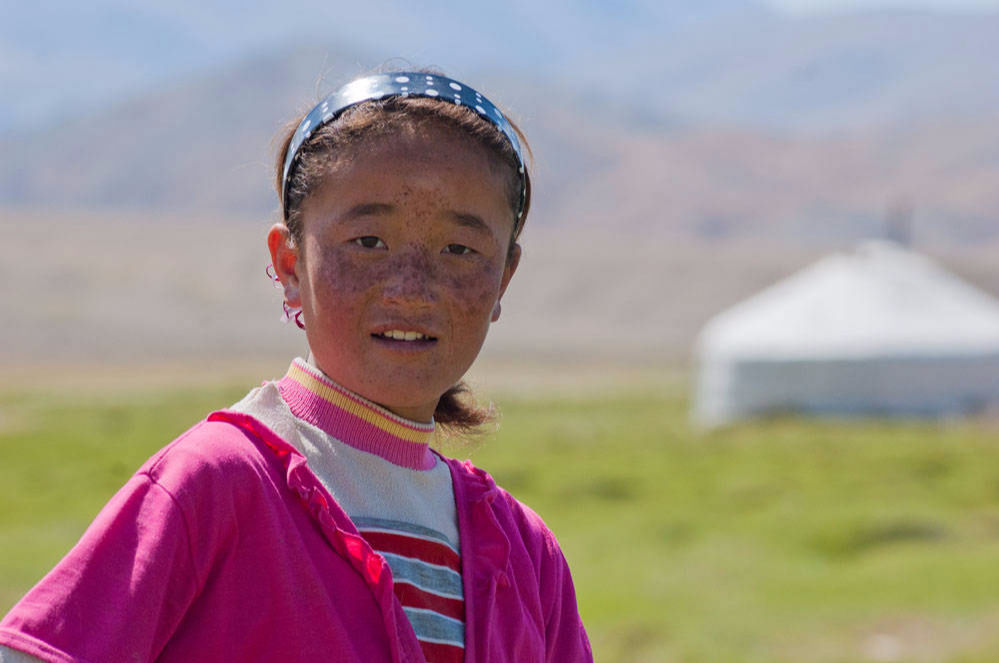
411 280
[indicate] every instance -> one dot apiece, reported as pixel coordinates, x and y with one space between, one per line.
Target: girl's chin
402 401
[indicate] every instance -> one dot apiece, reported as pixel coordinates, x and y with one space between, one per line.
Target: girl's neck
354 420
419 415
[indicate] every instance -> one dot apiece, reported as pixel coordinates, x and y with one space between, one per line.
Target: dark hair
457 411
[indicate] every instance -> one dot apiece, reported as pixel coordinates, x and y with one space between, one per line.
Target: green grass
782 540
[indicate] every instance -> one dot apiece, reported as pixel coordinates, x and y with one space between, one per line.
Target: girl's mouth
402 335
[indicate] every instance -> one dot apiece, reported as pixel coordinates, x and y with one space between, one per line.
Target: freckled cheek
343 282
478 291
340 288
338 273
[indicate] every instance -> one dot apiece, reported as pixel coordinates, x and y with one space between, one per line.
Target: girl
311 521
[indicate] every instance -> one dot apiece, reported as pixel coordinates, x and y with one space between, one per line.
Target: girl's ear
284 258
511 266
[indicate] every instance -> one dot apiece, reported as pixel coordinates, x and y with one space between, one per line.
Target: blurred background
687 156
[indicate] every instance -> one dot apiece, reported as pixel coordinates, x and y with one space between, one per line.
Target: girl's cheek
340 273
346 274
480 287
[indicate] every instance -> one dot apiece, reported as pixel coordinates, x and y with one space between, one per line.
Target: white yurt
876 331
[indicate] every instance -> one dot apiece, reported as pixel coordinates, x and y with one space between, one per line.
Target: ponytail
458 413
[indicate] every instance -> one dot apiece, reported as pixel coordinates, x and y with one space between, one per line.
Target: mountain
723 61
63 57
816 73
686 155
207 144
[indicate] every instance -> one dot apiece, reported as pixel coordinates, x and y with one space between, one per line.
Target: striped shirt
427 574
380 469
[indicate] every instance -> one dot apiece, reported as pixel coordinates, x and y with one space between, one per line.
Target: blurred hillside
721 61
105 288
686 156
748 125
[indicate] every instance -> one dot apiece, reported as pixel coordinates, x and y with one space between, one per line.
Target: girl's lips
407 331
404 345
404 335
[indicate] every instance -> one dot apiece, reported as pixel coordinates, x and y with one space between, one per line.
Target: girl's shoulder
474 486
512 545
227 453
211 446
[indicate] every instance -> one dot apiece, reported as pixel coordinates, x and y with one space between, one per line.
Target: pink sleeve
565 637
119 593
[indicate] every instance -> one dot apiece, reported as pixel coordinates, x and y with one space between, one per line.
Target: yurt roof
878 300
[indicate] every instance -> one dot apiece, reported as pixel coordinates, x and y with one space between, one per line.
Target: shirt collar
354 420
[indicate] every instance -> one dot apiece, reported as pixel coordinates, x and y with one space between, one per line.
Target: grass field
777 541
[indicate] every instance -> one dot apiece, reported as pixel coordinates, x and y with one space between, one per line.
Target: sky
823 6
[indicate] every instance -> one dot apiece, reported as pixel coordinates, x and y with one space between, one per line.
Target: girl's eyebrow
472 221
368 209
464 219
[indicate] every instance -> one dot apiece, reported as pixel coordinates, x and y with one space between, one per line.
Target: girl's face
402 263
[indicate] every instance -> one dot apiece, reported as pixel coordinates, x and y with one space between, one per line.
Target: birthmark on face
415 274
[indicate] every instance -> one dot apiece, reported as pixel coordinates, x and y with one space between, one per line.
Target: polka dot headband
400 84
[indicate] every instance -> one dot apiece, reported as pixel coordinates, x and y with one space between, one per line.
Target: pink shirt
225 546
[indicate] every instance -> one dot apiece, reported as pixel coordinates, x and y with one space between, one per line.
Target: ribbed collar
354 420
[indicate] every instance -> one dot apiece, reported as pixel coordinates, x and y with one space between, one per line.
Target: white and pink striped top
382 472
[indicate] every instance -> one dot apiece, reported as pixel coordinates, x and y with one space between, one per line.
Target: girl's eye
457 249
369 242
